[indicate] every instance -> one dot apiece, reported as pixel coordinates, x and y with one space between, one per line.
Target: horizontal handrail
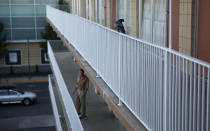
70 109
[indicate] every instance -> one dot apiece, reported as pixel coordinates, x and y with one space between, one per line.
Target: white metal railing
66 98
54 106
164 89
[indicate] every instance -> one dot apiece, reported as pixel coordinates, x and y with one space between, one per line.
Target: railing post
119 72
165 90
97 75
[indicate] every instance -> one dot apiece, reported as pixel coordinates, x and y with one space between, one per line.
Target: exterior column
113 12
108 13
203 30
93 10
82 8
134 18
175 25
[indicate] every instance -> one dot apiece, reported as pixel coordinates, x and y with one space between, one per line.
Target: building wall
114 12
108 13
35 53
82 8
93 13
175 25
186 26
153 21
134 18
24 19
204 30
149 20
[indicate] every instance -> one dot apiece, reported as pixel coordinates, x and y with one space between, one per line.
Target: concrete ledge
67 122
121 112
24 81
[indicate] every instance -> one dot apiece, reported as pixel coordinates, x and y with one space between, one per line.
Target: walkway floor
99 116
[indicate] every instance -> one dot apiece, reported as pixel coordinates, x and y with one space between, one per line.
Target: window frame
42 57
19 60
14 92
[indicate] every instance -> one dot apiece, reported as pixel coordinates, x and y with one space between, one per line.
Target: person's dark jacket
119 26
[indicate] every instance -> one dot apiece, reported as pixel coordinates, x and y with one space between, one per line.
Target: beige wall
82 8
35 53
186 26
134 18
108 11
93 14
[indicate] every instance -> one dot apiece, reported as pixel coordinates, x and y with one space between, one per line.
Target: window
44 57
3 93
124 12
13 93
153 21
24 19
13 57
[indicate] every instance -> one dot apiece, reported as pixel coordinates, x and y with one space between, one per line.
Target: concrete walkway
99 116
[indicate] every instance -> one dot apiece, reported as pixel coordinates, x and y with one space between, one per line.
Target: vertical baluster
208 102
195 98
182 104
191 98
198 100
203 100
186 111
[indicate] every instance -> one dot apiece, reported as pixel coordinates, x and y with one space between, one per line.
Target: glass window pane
4 1
22 22
46 1
40 10
7 32
41 22
4 10
44 57
39 33
5 21
3 93
23 34
52 2
22 10
13 93
42 1
13 57
22 1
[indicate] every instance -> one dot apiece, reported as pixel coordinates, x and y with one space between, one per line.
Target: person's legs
78 104
83 105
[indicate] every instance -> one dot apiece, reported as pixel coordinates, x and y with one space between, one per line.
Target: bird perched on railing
119 26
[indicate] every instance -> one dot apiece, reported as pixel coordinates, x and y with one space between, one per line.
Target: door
14 97
4 97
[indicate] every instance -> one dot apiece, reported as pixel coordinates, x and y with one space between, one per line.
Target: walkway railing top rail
71 113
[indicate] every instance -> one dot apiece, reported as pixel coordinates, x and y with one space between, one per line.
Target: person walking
119 26
81 91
